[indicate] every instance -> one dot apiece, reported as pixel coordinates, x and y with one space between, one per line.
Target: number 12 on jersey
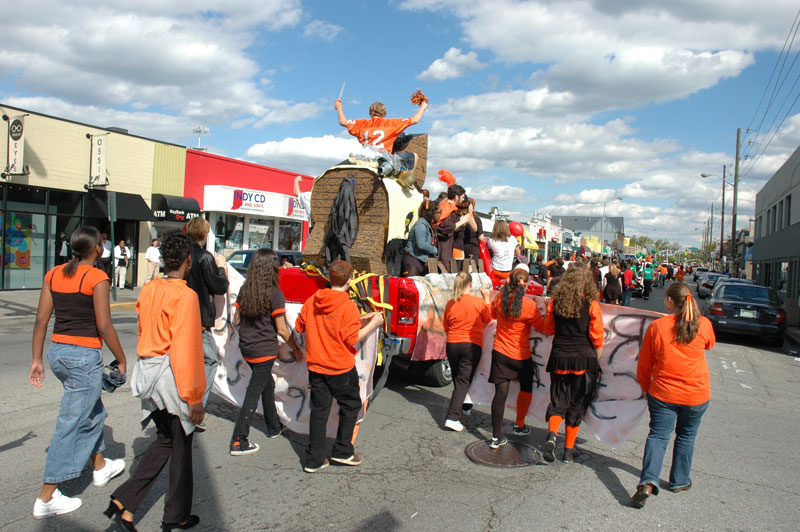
377 137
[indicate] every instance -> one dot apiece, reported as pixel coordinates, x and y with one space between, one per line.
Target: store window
260 233
23 198
23 249
228 233
290 235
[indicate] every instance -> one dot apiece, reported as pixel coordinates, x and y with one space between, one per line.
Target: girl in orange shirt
673 374
464 319
576 323
511 353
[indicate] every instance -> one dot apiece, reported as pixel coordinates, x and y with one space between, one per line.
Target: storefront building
776 242
59 175
248 206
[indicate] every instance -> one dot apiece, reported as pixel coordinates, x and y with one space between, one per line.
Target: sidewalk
23 303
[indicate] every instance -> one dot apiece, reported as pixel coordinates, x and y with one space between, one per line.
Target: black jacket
207 279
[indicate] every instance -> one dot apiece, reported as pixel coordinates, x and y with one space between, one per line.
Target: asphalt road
415 475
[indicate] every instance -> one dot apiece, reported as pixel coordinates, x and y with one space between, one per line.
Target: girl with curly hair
575 321
421 243
260 315
511 353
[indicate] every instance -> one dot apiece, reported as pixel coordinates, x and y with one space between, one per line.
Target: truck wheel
437 373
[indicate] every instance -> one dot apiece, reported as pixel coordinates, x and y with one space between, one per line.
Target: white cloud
322 30
496 192
308 155
454 64
187 59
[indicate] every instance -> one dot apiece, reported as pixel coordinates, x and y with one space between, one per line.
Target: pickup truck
402 293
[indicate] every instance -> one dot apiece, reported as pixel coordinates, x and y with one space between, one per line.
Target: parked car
240 260
698 272
747 309
706 283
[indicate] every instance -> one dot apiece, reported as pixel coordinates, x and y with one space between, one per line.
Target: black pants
412 267
464 358
324 389
172 445
261 386
570 396
648 286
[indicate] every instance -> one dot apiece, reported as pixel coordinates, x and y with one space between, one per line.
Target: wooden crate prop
372 204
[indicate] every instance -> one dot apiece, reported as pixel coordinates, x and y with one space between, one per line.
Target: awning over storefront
174 208
129 206
528 242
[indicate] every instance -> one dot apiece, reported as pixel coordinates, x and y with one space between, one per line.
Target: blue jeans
664 417
210 361
79 427
626 298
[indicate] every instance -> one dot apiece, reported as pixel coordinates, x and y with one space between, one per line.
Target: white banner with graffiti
292 394
619 404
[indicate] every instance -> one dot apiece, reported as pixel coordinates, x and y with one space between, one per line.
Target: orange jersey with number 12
378 132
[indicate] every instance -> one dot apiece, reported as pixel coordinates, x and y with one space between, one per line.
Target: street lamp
603 228
722 220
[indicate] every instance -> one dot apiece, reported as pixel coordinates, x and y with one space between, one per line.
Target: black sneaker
239 447
496 443
569 456
521 431
550 447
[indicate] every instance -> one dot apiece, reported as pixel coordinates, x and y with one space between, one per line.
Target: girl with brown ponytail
673 374
511 353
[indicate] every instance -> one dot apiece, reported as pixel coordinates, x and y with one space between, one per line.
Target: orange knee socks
523 403
554 423
571 434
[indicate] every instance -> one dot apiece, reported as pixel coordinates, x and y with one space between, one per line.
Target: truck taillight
716 309
407 307
780 317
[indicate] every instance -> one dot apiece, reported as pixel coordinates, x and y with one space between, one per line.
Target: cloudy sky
537 106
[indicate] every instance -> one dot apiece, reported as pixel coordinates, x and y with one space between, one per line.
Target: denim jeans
664 417
261 386
79 427
210 361
626 298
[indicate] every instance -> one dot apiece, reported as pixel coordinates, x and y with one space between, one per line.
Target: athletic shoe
453 424
550 447
308 469
277 435
200 427
568 455
100 477
353 460
239 447
498 442
466 409
59 504
521 431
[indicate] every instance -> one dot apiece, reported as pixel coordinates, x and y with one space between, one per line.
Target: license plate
748 313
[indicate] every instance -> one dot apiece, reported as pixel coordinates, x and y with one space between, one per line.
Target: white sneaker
59 504
109 471
453 424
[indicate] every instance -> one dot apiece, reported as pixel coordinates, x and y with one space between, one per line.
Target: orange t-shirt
73 305
332 324
672 372
378 132
169 323
513 334
464 319
680 275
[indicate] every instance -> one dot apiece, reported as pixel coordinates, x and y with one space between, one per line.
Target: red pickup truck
403 296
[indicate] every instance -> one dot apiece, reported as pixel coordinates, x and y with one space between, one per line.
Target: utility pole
722 219
711 235
735 191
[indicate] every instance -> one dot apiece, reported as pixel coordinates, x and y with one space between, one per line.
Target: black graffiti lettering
596 414
299 393
238 373
644 321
